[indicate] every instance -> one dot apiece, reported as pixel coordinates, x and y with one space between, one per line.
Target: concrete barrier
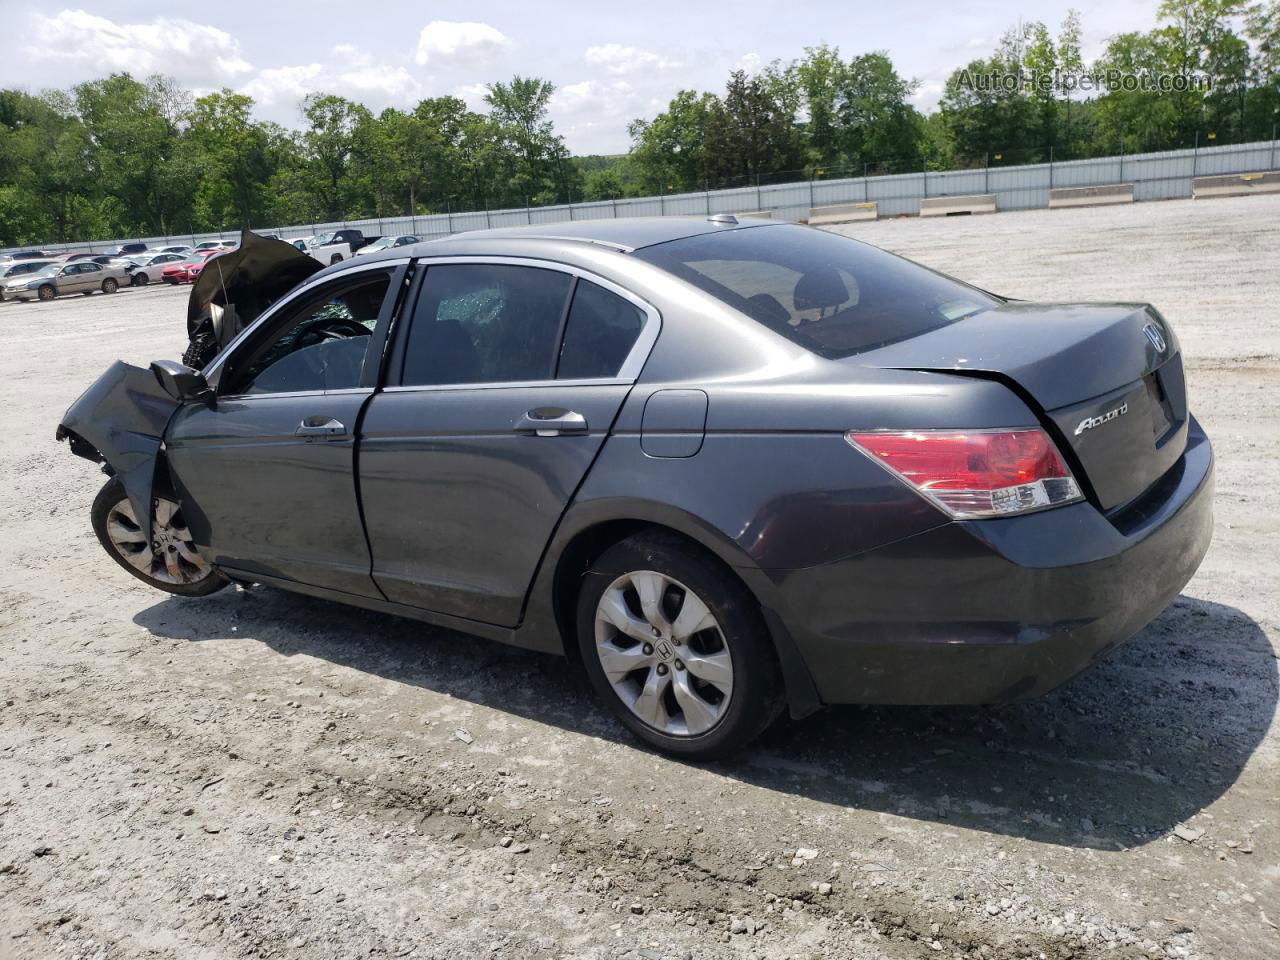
843 213
955 206
1091 196
755 215
1236 184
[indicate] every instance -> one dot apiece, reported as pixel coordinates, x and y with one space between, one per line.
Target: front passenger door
265 472
69 280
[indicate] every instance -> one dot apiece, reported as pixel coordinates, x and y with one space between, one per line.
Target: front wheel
46 293
139 279
676 647
170 561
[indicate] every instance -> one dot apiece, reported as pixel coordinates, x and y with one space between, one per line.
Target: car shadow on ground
1115 758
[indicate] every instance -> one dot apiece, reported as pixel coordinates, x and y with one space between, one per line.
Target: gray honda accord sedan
730 469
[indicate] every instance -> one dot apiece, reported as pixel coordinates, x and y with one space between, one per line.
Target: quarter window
485 323
601 330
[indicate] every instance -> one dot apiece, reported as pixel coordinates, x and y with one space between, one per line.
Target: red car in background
186 270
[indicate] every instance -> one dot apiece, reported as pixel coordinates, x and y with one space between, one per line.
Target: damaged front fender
120 420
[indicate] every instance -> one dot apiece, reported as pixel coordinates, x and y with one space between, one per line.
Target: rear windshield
827 293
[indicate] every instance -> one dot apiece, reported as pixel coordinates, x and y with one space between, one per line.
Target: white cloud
459 40
284 84
620 59
473 94
750 62
593 96
374 85
389 84
352 55
194 53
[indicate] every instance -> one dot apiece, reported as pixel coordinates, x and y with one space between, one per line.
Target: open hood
234 288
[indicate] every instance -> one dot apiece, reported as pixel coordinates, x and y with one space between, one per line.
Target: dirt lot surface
261 774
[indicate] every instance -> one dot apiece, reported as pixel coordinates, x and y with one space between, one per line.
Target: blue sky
611 62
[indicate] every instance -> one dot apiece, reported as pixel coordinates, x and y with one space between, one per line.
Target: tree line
123 157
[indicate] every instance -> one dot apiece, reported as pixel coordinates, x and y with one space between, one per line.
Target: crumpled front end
120 421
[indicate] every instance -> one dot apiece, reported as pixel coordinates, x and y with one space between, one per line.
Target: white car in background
337 246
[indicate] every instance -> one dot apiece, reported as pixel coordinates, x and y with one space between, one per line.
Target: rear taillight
989 473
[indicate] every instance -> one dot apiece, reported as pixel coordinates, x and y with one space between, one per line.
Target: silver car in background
15 270
384 243
59 279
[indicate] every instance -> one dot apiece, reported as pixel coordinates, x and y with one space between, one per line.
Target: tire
181 572
696 714
47 293
336 258
139 279
110 285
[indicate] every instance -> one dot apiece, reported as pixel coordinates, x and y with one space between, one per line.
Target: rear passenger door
501 390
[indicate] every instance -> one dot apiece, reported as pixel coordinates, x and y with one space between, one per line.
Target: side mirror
181 382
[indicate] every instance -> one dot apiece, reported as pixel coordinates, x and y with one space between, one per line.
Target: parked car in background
186 269
27 255
58 279
16 269
337 246
71 257
385 243
125 249
170 248
148 266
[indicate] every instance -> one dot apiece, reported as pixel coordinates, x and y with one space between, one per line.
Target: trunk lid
1105 378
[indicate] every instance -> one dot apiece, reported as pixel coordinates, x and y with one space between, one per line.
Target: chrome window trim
511 385
631 367
311 283
294 394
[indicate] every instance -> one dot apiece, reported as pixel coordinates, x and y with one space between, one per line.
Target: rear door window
485 323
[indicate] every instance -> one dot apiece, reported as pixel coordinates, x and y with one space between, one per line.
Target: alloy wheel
663 653
170 557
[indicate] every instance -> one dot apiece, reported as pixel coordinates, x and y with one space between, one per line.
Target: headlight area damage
120 420
235 288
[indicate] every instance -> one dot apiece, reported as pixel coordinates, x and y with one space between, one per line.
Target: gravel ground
261 774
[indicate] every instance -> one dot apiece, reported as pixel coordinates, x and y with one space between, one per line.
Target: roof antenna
722 218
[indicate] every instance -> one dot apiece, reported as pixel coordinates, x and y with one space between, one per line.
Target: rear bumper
998 610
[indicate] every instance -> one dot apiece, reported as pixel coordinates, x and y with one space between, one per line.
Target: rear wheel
676 647
336 258
110 285
46 293
170 561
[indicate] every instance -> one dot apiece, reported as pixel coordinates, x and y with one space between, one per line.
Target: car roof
625 233
563 242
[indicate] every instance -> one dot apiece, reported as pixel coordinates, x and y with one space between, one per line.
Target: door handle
321 427
545 422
